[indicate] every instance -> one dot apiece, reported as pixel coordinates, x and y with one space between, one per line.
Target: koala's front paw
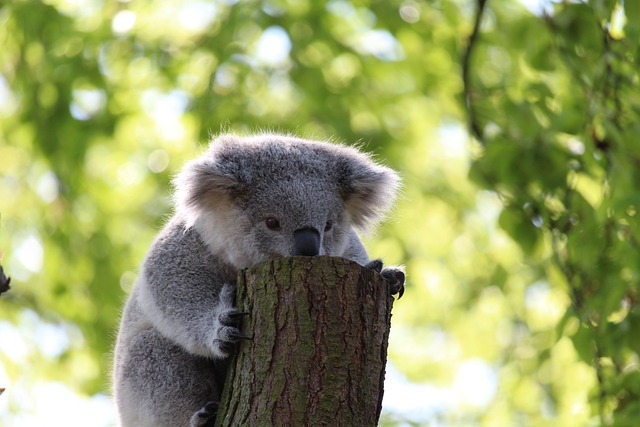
226 331
395 277
205 416
375 265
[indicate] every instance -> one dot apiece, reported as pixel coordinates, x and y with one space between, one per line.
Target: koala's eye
328 226
272 224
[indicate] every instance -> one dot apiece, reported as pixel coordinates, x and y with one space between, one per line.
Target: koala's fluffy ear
368 189
203 184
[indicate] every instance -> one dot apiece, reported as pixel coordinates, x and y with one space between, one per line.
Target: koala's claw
230 337
211 406
227 328
237 315
239 336
395 277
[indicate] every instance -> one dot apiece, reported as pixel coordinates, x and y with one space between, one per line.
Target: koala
245 200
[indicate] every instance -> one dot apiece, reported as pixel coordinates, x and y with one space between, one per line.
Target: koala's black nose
307 242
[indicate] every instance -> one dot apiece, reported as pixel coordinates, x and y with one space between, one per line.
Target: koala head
267 196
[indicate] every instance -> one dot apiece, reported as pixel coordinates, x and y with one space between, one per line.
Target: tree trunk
320 328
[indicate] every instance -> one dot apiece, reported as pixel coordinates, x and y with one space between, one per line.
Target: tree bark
319 328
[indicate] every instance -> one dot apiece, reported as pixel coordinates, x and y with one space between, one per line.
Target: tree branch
474 124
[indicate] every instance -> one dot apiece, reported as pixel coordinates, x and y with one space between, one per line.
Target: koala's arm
355 250
394 275
186 295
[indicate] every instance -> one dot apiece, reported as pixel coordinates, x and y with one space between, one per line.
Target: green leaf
521 229
583 342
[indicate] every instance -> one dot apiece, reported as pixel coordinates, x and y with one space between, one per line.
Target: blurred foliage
558 119
527 272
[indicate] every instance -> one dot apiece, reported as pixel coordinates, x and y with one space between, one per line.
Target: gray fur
178 324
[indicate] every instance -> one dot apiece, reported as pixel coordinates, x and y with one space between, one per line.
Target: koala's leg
159 384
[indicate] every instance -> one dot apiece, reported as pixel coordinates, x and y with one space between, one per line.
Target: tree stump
319 328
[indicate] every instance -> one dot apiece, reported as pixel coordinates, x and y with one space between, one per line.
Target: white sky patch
160 104
44 403
418 402
381 44
538 7
54 404
8 102
78 8
4 381
30 253
166 109
488 207
454 140
475 383
48 187
52 340
273 47
536 296
226 76
361 34
197 16
87 103
544 306
123 22
13 344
